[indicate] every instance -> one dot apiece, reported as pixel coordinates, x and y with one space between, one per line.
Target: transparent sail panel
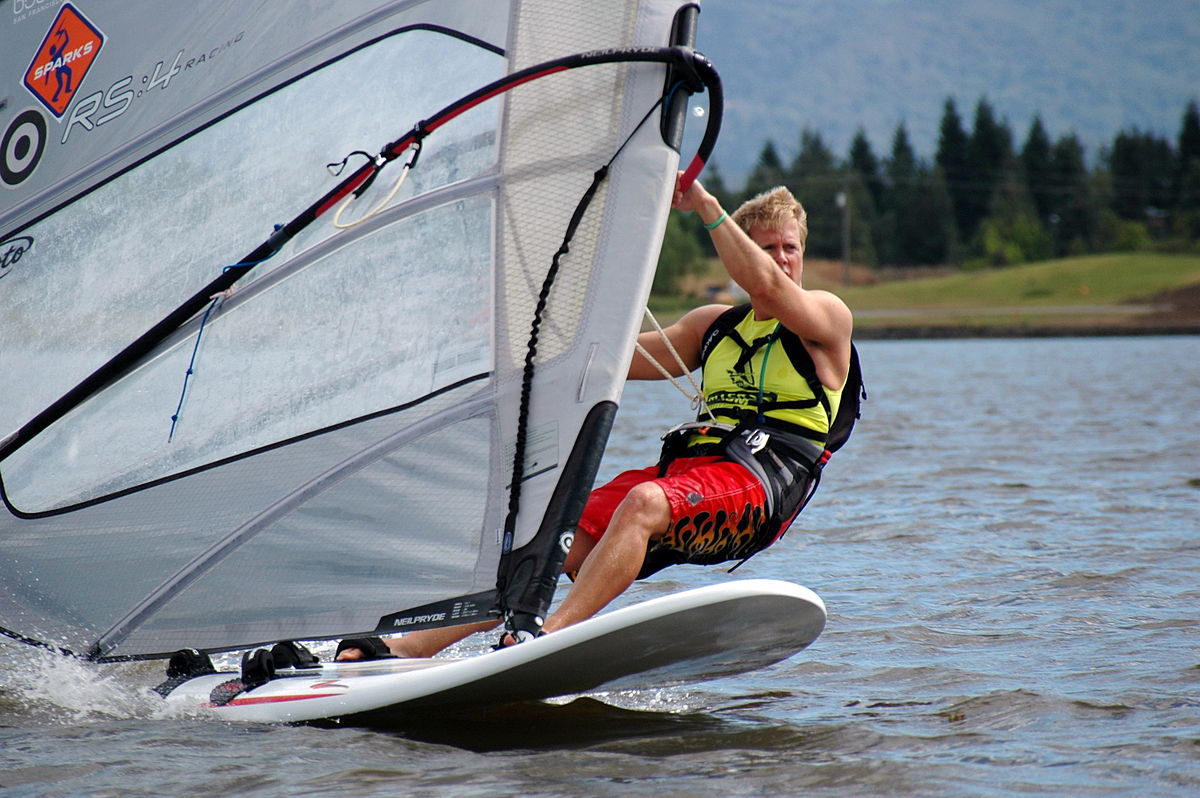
326 340
340 526
108 266
394 531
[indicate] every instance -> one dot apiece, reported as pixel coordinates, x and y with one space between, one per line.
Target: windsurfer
702 503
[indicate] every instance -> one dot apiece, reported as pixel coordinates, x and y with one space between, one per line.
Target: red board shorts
717 509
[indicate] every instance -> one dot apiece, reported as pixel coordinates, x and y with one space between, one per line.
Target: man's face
783 245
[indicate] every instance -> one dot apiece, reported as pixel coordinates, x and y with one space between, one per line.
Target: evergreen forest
984 199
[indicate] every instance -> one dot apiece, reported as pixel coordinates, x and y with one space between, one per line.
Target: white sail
328 449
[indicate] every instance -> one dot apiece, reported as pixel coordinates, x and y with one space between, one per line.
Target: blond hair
771 210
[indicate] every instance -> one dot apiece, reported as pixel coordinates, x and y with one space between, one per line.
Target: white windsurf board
691 636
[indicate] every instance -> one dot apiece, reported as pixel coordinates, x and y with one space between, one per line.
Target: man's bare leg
606 569
611 566
427 642
423 643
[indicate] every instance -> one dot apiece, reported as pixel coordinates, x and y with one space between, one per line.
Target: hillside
1090 67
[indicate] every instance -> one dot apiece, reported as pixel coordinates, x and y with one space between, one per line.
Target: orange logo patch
63 60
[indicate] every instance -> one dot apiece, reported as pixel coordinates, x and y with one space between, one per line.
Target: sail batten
331 449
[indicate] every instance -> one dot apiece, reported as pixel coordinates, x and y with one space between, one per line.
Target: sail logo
63 59
21 146
432 617
11 252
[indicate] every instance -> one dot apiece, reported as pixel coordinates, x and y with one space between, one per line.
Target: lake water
1009 549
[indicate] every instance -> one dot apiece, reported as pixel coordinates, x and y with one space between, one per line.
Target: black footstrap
184 665
258 668
371 647
290 654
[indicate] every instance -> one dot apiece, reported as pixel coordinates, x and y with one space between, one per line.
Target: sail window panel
81 572
103 571
382 322
107 266
577 110
404 530
582 111
74 580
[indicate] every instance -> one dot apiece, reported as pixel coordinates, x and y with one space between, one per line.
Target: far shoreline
923 332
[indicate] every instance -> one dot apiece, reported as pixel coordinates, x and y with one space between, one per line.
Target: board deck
691 636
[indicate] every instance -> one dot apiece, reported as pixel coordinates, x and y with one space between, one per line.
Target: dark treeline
982 201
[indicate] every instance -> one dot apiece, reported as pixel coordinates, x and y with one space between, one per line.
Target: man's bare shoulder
687 334
701 318
827 297
684 336
695 323
816 315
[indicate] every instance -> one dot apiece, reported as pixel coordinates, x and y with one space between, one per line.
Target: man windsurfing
774 374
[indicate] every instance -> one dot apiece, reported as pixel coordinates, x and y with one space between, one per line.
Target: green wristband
717 223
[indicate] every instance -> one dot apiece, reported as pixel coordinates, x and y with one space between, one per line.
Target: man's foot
355 649
508 639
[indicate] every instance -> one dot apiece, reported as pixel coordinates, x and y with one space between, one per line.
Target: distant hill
1094 67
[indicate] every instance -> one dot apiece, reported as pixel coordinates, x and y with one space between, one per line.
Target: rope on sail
191 369
696 395
408 166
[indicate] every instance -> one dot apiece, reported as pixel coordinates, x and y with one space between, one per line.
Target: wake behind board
692 636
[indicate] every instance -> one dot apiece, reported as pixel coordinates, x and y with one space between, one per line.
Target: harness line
697 398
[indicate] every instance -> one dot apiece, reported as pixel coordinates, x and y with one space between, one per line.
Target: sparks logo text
63 60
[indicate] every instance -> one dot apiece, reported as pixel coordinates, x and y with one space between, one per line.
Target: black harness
786 458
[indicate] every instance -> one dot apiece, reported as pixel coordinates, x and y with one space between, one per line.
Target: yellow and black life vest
759 373
775 416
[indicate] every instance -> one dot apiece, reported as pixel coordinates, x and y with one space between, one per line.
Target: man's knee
646 506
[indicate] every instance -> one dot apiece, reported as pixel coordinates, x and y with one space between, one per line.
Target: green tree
681 255
767 173
1075 207
864 188
917 224
1011 232
1187 164
863 161
814 178
989 162
864 218
1035 160
1142 167
932 237
951 159
900 175
1185 210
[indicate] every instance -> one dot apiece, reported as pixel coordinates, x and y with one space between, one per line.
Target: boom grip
716 106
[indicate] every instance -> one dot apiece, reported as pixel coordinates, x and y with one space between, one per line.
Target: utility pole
843 202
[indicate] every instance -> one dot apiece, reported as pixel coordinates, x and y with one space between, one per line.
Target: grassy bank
1094 280
1093 293
1099 293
